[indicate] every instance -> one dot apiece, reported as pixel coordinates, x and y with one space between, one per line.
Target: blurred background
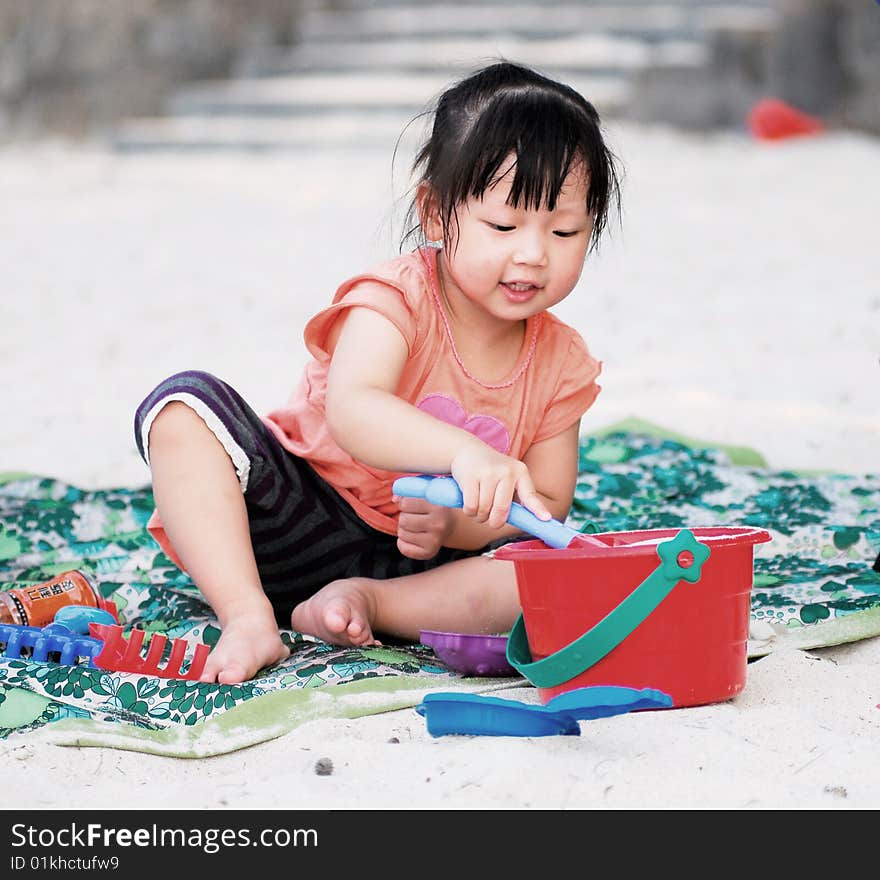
183 183
163 73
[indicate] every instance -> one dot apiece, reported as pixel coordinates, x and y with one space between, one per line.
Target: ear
429 212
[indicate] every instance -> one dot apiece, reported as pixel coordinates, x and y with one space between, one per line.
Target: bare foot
248 643
339 613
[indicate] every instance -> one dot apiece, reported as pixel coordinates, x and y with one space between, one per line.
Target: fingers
487 495
500 504
489 500
413 505
415 523
420 527
409 546
530 499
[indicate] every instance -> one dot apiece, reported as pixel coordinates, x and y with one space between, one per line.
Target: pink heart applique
489 429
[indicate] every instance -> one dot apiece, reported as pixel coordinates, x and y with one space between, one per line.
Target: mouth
519 291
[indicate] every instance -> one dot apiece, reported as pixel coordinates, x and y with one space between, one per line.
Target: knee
174 424
174 418
172 411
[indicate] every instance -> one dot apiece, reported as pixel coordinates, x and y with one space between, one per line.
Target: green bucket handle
609 632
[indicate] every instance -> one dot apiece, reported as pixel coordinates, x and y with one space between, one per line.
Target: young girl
443 361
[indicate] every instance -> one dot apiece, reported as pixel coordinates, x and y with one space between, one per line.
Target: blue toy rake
38 643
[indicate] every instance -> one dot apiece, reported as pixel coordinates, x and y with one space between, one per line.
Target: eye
562 234
499 228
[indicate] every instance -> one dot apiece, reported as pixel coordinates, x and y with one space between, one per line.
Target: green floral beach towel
814 585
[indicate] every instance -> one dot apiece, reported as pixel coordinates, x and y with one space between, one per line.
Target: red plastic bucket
692 646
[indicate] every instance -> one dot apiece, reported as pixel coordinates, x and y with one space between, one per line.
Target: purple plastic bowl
469 653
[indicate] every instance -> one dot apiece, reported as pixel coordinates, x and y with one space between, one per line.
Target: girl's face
512 263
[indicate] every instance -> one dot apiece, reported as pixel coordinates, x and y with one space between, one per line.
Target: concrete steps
595 53
323 111
532 20
359 73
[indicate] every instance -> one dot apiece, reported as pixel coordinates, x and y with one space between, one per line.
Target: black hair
506 109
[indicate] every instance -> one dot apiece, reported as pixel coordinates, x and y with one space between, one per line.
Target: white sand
737 303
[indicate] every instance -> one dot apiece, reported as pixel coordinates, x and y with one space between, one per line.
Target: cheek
473 259
571 268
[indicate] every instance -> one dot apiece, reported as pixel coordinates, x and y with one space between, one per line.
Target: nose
530 249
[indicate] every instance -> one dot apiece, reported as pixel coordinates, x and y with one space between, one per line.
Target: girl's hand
488 482
422 527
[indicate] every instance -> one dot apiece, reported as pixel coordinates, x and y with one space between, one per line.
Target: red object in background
774 120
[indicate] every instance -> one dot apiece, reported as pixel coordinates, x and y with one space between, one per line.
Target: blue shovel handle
445 492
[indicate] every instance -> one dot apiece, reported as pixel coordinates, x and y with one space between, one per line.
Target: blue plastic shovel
475 714
445 492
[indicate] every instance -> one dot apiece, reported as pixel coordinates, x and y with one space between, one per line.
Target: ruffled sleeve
367 291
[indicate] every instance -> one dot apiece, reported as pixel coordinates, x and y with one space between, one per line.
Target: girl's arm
553 464
364 415
368 420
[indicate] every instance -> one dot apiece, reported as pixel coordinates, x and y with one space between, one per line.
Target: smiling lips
519 291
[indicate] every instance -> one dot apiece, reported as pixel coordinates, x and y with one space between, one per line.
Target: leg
199 498
243 514
474 595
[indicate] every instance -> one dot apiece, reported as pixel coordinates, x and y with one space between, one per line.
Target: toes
209 673
337 618
222 671
334 615
234 673
359 633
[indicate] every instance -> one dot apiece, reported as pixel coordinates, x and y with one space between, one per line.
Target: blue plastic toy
37 643
78 617
65 641
474 714
445 492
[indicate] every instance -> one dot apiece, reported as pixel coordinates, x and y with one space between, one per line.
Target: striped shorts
304 534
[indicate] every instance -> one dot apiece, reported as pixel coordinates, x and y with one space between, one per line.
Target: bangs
543 138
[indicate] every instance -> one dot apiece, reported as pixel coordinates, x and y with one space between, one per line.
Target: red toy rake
120 655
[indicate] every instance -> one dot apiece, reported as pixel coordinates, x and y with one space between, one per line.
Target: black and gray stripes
303 533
